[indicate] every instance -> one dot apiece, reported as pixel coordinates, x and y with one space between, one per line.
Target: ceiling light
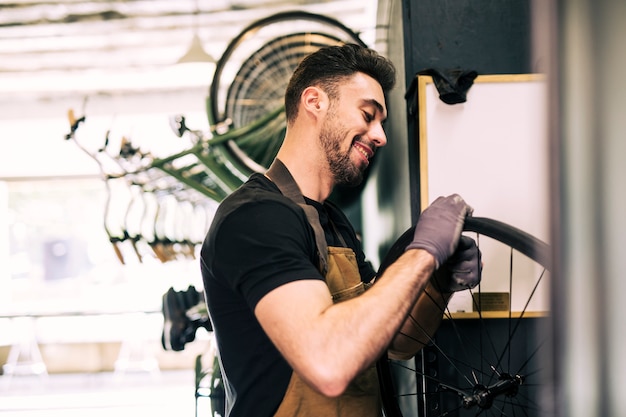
196 52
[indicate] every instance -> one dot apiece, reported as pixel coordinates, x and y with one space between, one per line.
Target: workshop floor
167 393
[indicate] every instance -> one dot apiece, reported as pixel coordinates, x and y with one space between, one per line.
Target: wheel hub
483 396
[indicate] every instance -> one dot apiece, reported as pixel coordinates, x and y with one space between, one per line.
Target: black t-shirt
258 241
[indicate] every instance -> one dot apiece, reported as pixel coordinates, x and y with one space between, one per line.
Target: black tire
429 402
251 76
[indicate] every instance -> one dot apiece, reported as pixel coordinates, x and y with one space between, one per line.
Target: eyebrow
376 104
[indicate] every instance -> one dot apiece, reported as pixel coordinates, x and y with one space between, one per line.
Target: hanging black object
451 84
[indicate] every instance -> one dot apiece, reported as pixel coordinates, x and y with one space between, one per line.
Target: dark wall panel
488 36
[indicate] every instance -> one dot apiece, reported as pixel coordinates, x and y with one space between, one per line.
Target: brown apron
340 268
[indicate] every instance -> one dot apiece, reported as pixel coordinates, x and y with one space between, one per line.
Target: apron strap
280 175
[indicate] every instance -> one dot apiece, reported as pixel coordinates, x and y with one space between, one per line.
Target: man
298 323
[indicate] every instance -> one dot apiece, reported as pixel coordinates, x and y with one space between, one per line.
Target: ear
314 101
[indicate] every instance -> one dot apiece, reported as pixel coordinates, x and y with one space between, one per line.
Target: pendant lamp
196 52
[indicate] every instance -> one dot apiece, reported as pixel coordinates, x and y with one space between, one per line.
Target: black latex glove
462 270
439 227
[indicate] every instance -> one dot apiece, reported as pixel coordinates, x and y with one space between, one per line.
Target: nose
377 135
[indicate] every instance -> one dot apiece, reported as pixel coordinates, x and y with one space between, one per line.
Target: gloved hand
439 227
462 270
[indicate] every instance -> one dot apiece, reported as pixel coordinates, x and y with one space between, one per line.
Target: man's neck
314 182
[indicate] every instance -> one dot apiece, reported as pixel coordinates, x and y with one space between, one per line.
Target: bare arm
329 344
461 271
421 324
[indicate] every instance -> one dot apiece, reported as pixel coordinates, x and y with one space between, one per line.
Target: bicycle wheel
259 89
252 74
484 361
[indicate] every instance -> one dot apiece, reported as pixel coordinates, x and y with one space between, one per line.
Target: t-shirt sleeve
263 246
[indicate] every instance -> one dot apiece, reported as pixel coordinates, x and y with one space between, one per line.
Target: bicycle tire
260 49
516 239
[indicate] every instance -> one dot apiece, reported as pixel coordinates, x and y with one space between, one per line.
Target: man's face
352 129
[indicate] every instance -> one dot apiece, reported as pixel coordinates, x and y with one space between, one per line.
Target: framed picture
493 151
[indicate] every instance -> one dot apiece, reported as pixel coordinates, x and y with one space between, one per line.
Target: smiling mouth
363 150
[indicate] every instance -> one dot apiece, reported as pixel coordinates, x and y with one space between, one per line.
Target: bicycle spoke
487 365
518 322
251 76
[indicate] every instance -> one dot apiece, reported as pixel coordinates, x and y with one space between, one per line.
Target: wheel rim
481 363
269 47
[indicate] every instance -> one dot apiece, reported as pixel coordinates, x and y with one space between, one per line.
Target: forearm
421 323
369 322
329 344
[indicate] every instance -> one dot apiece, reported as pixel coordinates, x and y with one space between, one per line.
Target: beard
344 171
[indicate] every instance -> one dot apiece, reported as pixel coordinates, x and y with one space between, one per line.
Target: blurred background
93 90
81 304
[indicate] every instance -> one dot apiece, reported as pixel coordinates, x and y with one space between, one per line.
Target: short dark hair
330 65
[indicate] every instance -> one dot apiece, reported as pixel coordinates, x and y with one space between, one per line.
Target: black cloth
259 240
452 84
